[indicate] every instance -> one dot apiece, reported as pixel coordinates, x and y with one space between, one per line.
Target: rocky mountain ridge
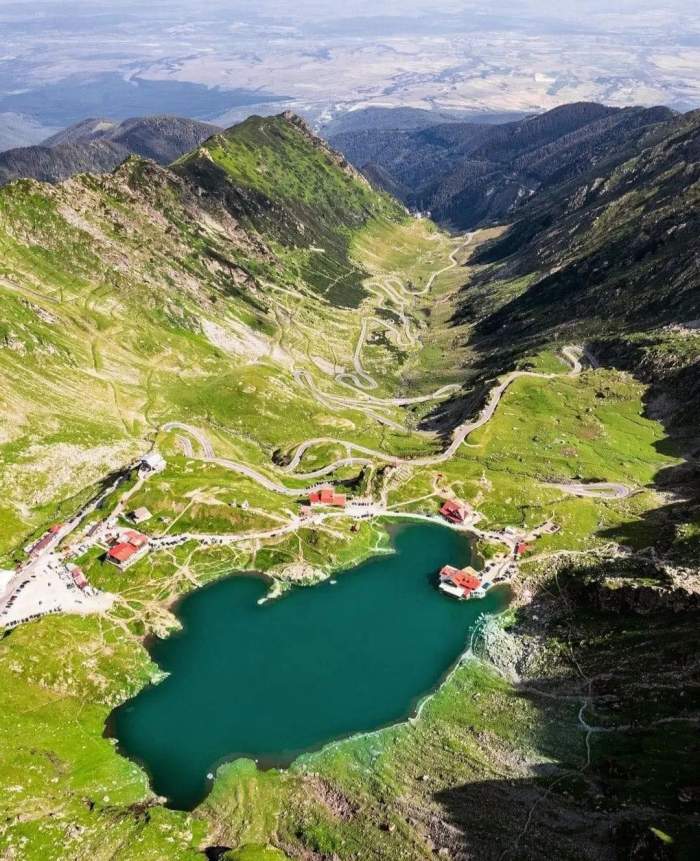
468 174
99 145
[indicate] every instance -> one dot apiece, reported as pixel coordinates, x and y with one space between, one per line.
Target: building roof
78 577
141 514
454 506
327 496
122 552
464 579
138 539
42 543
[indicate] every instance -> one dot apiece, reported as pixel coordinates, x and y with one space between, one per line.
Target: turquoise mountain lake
272 681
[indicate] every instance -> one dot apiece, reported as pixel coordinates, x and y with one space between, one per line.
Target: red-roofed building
521 548
125 553
55 528
327 496
79 578
138 539
461 583
455 511
121 552
41 544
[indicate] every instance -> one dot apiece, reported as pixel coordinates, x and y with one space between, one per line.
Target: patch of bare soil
339 805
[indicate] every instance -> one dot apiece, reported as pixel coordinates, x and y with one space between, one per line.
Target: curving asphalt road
460 433
199 435
452 265
607 490
593 489
360 378
372 455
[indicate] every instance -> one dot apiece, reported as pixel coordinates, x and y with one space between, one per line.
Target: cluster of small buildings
129 547
45 540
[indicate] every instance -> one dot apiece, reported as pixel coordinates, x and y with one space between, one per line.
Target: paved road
362 398
593 489
372 455
453 264
199 435
260 478
360 378
458 436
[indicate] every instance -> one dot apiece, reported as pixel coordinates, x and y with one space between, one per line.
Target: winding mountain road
607 490
199 435
360 456
593 489
359 378
452 265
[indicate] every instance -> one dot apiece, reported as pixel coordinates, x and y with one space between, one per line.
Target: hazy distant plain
62 60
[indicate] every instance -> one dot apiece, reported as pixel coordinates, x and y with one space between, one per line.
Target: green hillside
128 298
266 320
275 177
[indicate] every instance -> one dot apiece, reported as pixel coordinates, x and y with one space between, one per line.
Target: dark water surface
270 682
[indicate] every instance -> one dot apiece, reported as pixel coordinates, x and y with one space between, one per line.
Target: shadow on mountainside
614 749
672 530
607 652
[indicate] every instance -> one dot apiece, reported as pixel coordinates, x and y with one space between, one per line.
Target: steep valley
266 320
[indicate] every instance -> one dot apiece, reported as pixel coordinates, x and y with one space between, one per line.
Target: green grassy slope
282 181
609 259
193 295
129 300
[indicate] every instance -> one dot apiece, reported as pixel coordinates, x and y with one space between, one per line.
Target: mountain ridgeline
610 255
467 174
193 256
99 145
